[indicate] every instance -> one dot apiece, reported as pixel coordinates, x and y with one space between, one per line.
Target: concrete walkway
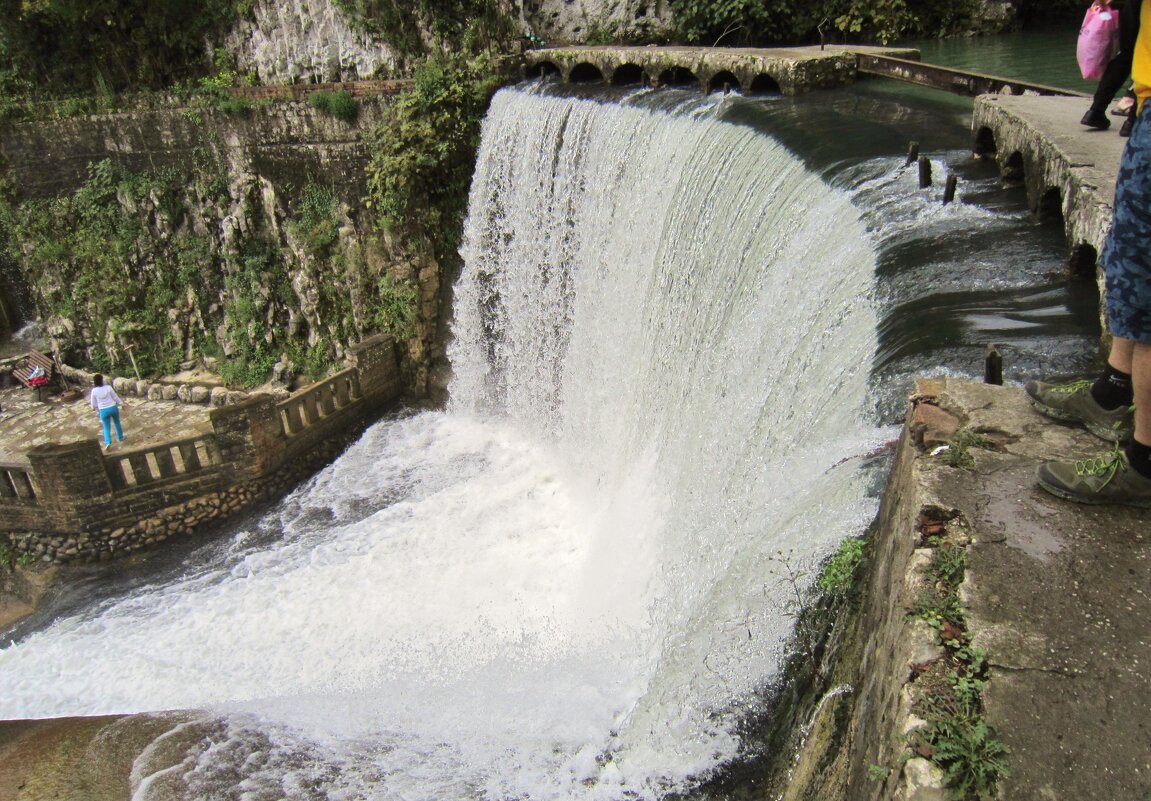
1060 596
27 422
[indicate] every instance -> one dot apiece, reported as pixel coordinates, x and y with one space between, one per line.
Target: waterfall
573 582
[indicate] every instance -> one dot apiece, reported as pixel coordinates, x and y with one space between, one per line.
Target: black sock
1139 455
1113 389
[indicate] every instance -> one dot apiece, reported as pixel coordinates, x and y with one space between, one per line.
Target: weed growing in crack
950 690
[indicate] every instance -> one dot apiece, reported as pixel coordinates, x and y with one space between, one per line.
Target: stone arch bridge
787 71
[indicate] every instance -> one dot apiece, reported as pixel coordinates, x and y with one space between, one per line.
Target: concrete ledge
1055 592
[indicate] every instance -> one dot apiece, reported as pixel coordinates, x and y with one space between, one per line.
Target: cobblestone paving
27 421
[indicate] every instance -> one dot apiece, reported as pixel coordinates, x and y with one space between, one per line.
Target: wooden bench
24 373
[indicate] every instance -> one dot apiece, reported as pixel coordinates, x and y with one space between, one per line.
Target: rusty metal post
993 366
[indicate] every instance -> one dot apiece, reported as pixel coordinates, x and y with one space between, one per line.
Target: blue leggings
107 417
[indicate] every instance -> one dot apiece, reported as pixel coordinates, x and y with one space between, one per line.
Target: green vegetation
742 22
52 48
424 151
958 453
122 267
12 558
839 571
317 222
398 309
453 25
81 251
339 104
950 691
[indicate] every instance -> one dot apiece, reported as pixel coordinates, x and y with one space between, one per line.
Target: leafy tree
99 45
424 150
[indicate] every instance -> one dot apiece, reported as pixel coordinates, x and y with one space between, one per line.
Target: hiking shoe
1074 403
1108 478
1095 119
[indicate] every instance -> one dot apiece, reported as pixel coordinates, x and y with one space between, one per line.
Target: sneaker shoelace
1073 387
1107 464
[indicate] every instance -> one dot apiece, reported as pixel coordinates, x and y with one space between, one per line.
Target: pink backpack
1097 39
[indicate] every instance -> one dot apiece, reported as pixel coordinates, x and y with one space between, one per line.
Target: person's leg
1141 381
116 420
106 422
1122 475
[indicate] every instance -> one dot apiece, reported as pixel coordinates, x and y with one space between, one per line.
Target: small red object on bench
35 372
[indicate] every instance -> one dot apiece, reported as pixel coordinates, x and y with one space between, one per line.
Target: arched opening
1050 208
984 143
1082 261
677 76
723 81
1013 168
543 69
764 84
627 74
585 73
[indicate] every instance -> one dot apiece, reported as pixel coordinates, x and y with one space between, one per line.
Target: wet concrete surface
1060 596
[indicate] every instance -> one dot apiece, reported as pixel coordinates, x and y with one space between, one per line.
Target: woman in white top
105 400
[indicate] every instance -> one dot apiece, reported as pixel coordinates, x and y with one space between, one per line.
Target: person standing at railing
105 401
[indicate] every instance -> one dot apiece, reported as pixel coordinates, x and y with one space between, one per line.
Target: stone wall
279 142
87 505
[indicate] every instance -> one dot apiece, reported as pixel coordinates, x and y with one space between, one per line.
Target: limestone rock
921 781
306 41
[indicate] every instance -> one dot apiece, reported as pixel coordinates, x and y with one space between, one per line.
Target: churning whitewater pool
571 583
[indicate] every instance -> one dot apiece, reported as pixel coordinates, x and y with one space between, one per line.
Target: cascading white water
565 585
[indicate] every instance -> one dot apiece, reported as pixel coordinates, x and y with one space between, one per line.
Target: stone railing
139 467
312 404
75 502
16 484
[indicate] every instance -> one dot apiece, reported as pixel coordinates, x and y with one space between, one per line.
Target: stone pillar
379 370
250 436
69 479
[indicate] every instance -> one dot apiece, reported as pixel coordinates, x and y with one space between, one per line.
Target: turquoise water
1044 56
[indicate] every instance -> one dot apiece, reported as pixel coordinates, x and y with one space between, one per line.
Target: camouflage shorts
1127 252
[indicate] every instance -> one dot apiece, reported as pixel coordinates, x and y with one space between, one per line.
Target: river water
684 331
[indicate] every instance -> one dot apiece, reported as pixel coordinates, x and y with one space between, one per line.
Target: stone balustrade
15 484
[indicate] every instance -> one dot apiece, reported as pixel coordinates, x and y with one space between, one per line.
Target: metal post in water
993 366
924 172
949 189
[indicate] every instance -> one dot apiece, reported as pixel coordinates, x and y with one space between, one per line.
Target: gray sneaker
1108 478
1074 403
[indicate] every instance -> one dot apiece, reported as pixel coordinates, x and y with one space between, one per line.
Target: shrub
338 104
839 570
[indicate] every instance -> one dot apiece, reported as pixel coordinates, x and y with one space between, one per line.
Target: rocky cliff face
579 20
307 41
